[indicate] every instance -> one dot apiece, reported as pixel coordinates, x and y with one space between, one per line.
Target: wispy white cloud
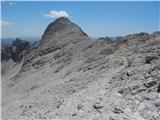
5 23
56 14
12 3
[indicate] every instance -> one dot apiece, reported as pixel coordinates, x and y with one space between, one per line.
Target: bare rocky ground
69 76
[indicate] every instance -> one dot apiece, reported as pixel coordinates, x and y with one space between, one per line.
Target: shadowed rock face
69 76
14 51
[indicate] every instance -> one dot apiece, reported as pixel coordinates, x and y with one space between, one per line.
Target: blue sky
97 19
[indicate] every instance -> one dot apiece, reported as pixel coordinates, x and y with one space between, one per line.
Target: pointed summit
62 25
62 19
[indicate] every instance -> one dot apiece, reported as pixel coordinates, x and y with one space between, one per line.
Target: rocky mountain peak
62 20
63 25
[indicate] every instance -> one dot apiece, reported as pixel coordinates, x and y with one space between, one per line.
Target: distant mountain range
32 39
8 41
111 39
14 50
